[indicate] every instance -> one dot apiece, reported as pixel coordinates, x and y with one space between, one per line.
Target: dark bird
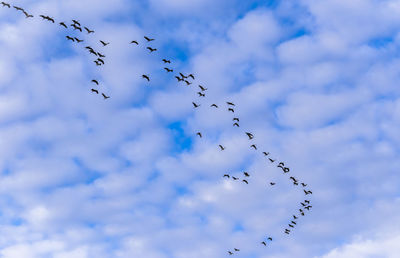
95 91
151 49
78 40
18 8
76 27
235 178
43 17
6 4
63 24
214 105
100 55
95 81
307 192
89 47
179 78
226 175
76 22
168 70
148 39
286 169
236 250
104 96
235 119
295 183
250 135
100 60
244 180
183 76
199 134
272 183
287 232
146 77
50 19
93 52
97 62
270 238
70 38
291 226
265 153
27 15
294 217
293 222
230 103
88 30
202 88
253 146
222 147
263 242
196 105
236 124
191 76
307 201
301 211
281 164
166 61
272 160
134 42
201 94
231 109
303 204
104 43
308 207
246 174
187 82
230 253
303 184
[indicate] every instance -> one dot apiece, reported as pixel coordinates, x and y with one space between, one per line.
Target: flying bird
201 94
294 217
168 70
231 109
272 160
293 222
183 76
308 207
226 175
290 225
104 96
134 42
196 105
146 77
272 183
18 8
27 15
234 178
88 30
63 24
95 81
151 49
148 39
253 146
230 253
78 40
6 4
97 62
199 134
76 22
265 153
214 105
250 135
236 124
202 88
263 242
179 78
307 192
95 91
166 61
100 60
104 43
303 184
191 76
222 147
70 38
93 52
270 238
246 174
236 250
230 103
244 180
100 55
307 201
187 82
235 119
76 27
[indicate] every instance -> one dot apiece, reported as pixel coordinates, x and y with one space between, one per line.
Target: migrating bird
250 135
27 15
270 238
307 201
199 134
214 105
78 40
134 42
293 222
76 27
187 82
183 76
95 91
201 94
253 146
234 178
246 174
230 103
70 38
226 175
235 119
202 88
151 49
236 124
290 225
18 8
63 24
76 22
166 61
222 147
272 183
168 70
100 55
307 192
95 81
191 76
104 43
244 180
6 4
97 62
272 160
263 242
303 184
88 30
231 109
308 207
146 77
294 217
265 153
196 105
100 60
148 39
104 96
94 53
236 250
179 78
230 253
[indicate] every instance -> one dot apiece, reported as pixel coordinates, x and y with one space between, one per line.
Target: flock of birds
188 80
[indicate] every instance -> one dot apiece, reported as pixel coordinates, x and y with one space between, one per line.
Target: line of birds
188 80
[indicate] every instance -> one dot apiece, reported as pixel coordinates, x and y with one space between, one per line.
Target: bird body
201 94
18 8
27 15
265 153
168 70
236 124
179 78
151 49
95 91
196 105
104 43
166 61
272 183
199 134
230 103
191 76
226 175
250 135
78 40
100 60
134 42
95 81
214 105
70 38
76 22
202 88
88 30
222 147
146 77
6 4
253 146
231 109
104 96
63 24
148 39
244 180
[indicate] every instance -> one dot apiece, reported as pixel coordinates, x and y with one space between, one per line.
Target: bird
88 30
63 24
50 19
303 184
199 134
301 211
250 135
166 61
230 103
294 217
146 77
78 40
27 15
96 91
104 96
97 62
179 78
235 119
76 27
307 192
272 160
183 76
244 180
214 105
307 201
100 55
6 4
265 153
303 204
201 94
234 178
222 147
202 88
100 60
281 164
230 253
263 242
236 250
151 49
270 238
231 109
286 169
196 105
290 225
76 22
70 38
308 207
187 82
246 174
191 76
18 8
148 39
292 178
43 17
104 43
226 175
271 183
293 222
93 52
253 146
168 70
134 42
236 124
95 81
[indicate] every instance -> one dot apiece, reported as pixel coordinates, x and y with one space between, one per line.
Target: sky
315 82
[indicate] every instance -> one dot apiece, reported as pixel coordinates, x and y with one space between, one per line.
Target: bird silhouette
146 77
270 238
250 135
291 226
166 61
230 103
95 91
202 88
70 38
230 253
18 8
100 55
272 183
222 147
134 42
179 78
263 242
100 60
236 250
253 146
151 49
94 53
307 192
231 109
235 119
272 160
307 201
214 105
168 70
199 134
88 30
76 27
244 180
191 76
6 4
104 96
294 217
183 76
78 40
148 39
27 15
236 124
308 207
226 175
303 184
265 153
97 63
246 174
293 222
234 178
95 81
187 82
76 22
63 24
104 43
201 94
292 178
196 105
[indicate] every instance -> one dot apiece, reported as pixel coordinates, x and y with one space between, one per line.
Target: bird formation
187 80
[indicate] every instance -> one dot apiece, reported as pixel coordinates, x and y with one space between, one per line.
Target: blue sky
315 82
